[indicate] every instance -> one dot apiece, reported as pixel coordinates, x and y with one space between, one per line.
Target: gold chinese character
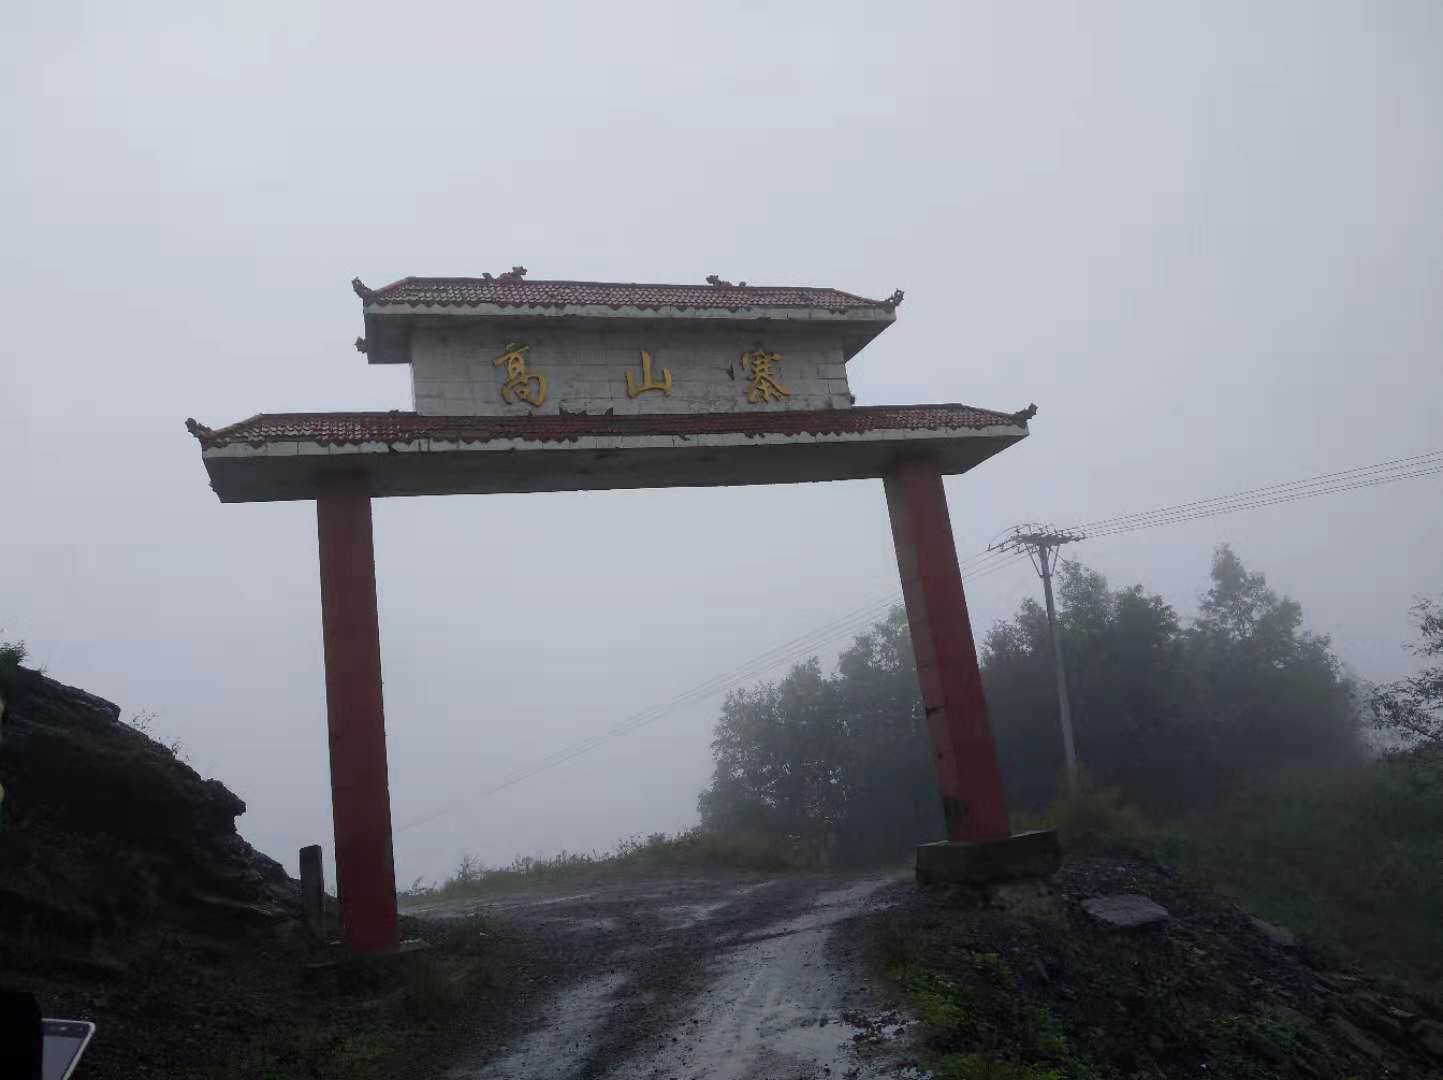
527 386
647 382
764 386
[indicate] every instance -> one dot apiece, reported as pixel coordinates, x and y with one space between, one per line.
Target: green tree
1124 658
840 766
777 752
889 780
1412 708
1263 694
1176 717
1017 678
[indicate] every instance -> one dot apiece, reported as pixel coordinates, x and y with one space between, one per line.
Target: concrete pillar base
343 959
977 862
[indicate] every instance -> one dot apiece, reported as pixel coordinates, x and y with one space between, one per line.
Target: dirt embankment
1036 982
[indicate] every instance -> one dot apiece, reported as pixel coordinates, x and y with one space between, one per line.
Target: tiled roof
351 428
518 292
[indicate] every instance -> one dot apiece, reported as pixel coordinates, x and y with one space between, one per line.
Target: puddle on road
681 916
559 1047
829 908
574 924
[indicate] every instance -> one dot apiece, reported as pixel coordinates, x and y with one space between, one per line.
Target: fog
1205 239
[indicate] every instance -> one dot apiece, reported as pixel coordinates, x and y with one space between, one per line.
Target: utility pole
1041 545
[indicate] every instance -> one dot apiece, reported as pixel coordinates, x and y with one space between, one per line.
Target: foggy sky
1204 238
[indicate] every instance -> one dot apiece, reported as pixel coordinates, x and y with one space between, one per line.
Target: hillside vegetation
1232 743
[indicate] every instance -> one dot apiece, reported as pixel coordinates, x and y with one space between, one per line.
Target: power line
1364 475
1001 564
1397 464
1256 504
979 565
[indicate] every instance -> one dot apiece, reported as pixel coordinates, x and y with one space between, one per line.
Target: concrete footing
341 958
976 862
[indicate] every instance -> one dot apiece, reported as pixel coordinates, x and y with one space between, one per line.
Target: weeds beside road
693 849
361 1018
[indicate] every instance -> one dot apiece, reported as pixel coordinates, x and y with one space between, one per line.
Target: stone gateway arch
524 385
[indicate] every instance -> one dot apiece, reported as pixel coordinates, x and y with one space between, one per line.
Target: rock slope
126 894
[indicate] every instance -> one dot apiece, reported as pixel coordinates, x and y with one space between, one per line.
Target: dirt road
689 977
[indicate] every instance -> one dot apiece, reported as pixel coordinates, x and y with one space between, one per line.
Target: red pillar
968 774
360 795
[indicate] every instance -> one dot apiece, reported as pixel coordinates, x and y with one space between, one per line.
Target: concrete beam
295 470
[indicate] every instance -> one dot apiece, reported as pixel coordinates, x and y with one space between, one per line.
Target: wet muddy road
688 977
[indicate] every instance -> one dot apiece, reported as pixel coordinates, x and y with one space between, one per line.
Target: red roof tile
518 292
350 428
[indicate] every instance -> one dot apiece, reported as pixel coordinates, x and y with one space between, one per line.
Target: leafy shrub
1089 819
12 655
743 851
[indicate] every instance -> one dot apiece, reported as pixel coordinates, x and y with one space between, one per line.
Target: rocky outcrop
106 833
126 895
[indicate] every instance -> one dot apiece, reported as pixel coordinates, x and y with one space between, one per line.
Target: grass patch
372 1011
433 989
329 1051
693 849
1262 1045
976 1024
1352 860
